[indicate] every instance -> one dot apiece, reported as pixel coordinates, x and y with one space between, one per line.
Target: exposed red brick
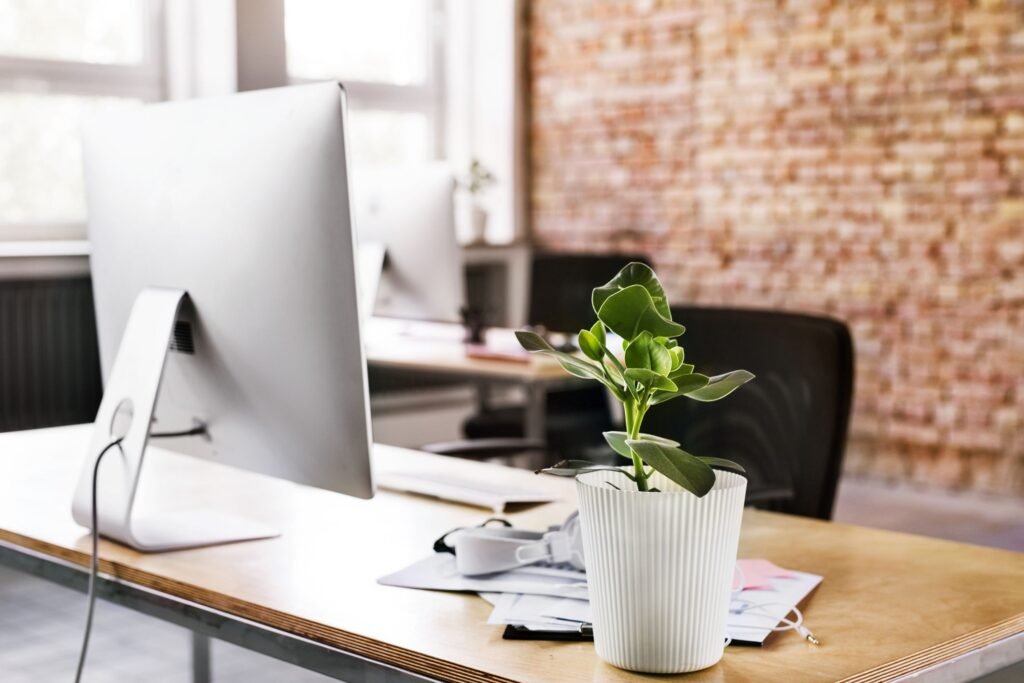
864 160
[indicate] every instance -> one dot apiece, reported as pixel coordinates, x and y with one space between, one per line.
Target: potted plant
475 184
660 535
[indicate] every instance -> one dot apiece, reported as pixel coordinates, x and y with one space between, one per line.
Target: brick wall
862 159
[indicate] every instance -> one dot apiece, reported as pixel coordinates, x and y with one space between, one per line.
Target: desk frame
953 613
206 623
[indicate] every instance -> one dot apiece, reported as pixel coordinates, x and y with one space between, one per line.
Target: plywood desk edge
940 653
513 371
376 647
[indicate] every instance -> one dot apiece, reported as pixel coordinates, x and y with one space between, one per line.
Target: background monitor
409 211
243 202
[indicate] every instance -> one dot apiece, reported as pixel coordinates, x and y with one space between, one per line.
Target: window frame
426 98
145 80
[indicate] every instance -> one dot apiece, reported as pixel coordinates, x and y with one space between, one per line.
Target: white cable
94 562
787 623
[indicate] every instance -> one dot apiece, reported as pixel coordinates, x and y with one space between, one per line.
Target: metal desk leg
201 669
536 409
483 396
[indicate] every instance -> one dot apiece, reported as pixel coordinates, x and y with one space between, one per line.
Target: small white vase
660 569
478 224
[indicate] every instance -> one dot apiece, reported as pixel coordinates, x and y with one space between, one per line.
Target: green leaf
634 273
722 462
684 385
531 341
683 369
684 469
631 311
650 379
590 346
573 365
645 352
572 468
677 357
720 386
614 371
597 329
617 440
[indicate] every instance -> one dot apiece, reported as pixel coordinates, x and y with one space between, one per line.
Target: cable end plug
810 637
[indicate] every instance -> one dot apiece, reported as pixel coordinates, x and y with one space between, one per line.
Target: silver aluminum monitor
236 210
408 210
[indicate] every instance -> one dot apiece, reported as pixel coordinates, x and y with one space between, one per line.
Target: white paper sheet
546 598
753 613
532 610
437 572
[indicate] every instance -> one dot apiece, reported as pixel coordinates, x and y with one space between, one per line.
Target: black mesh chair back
49 353
560 287
559 301
788 426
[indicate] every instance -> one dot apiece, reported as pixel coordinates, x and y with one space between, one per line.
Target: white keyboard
492 495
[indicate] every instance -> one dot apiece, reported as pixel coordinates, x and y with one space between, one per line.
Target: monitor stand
130 397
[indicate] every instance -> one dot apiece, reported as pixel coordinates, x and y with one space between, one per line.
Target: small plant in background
479 178
474 185
653 370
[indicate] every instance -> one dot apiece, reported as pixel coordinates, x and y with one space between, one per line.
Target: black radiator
49 357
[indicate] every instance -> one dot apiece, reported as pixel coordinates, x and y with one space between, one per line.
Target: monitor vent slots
181 339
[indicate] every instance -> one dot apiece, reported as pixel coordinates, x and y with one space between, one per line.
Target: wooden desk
891 604
437 349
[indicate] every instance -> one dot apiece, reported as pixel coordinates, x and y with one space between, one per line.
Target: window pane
386 138
101 32
41 173
364 40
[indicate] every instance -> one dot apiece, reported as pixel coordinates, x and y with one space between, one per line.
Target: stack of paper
555 598
769 593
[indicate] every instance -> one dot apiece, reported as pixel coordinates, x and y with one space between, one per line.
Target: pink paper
756 572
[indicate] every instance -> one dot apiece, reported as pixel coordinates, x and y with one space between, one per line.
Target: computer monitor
409 211
221 230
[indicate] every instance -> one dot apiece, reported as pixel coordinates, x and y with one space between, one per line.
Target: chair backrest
49 355
560 287
788 426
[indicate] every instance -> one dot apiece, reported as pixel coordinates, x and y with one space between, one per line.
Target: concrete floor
965 517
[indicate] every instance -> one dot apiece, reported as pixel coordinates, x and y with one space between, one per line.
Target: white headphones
486 550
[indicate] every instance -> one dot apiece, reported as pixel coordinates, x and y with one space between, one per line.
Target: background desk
891 604
437 349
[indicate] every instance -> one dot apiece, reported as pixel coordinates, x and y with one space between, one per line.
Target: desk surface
890 603
433 347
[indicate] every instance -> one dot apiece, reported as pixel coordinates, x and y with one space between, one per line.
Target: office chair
49 354
788 426
560 289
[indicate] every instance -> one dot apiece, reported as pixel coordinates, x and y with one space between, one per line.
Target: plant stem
634 416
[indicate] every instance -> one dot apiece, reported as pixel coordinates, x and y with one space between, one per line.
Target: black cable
195 431
94 563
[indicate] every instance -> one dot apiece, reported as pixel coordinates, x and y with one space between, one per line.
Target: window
388 54
59 62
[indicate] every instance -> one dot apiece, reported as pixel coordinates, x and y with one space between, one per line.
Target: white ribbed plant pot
660 570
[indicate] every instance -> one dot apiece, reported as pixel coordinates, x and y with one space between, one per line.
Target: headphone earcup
571 528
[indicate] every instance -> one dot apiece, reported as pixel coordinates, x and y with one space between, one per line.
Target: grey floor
41 629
